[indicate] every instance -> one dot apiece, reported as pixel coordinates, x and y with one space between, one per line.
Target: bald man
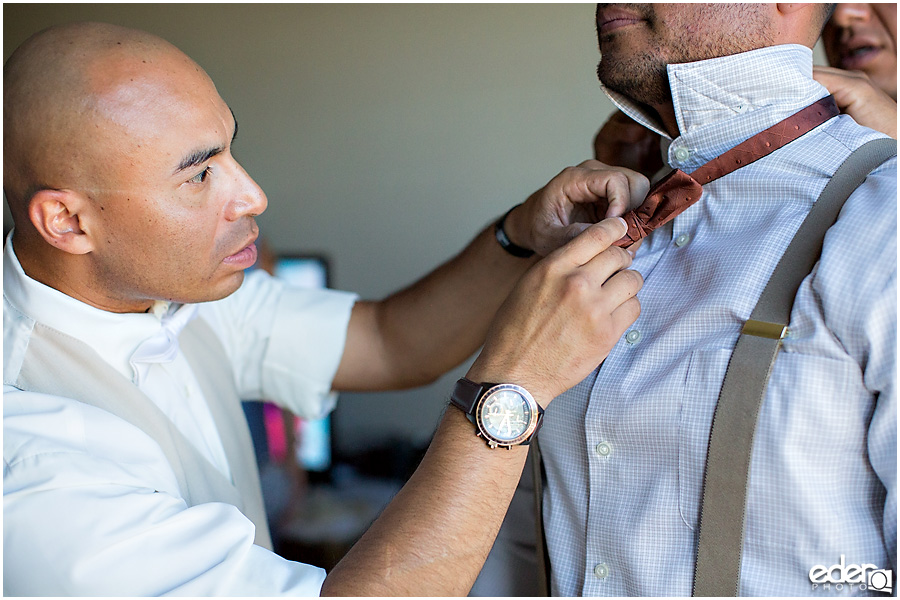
131 333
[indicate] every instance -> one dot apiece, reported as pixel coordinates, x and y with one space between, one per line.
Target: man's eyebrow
198 157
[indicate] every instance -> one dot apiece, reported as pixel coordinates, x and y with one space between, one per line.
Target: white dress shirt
625 449
75 476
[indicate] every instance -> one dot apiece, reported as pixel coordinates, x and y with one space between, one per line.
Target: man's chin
634 83
222 289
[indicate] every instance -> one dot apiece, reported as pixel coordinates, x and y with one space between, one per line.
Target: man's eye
201 176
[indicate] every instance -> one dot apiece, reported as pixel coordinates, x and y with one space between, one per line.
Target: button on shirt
823 471
81 515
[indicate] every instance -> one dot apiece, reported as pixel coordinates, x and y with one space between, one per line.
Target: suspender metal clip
773 331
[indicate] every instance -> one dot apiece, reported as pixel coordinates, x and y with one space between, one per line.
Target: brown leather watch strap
466 394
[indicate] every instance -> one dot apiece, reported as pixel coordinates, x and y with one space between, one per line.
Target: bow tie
161 347
675 192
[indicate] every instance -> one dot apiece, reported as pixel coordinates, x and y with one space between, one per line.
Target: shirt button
601 571
603 449
682 154
633 336
682 239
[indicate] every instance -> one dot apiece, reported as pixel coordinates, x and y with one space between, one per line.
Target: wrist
515 228
509 232
504 414
486 373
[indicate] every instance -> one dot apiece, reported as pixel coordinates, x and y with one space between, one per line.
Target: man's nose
849 14
249 200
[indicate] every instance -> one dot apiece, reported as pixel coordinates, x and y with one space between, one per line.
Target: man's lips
856 53
243 258
613 19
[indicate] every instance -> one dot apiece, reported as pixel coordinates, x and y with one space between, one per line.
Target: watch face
506 416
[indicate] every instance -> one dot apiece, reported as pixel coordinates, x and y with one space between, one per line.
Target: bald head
119 172
63 89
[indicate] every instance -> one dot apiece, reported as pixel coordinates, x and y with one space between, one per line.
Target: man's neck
71 275
666 112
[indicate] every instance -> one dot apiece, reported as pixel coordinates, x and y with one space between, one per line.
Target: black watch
504 414
505 242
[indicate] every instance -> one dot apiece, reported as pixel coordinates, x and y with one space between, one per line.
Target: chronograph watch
504 414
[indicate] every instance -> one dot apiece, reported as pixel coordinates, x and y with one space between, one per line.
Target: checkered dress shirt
625 449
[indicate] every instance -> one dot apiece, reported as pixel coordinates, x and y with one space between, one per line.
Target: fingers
625 314
576 198
832 74
592 241
623 188
622 287
636 191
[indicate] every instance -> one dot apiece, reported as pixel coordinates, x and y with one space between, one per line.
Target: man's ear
798 23
58 216
787 8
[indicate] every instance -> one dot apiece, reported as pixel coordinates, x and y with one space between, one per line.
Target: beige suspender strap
718 568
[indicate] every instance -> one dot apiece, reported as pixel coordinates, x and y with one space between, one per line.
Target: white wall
385 136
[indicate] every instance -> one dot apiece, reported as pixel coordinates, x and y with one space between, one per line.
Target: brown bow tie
675 192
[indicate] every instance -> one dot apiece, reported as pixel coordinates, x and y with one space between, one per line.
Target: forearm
433 325
435 535
558 323
415 335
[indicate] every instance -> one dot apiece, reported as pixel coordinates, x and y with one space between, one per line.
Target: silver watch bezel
529 400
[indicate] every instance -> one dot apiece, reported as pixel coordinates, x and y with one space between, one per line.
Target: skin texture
108 218
861 44
119 174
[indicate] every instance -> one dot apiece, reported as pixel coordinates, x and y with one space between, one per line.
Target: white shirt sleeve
285 344
92 508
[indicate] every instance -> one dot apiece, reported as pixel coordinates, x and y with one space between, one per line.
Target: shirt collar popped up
723 101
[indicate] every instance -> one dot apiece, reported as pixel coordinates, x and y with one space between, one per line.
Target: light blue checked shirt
625 449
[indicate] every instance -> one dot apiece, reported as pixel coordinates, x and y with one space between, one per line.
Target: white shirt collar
115 336
722 101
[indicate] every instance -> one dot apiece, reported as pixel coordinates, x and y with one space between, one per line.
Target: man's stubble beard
642 76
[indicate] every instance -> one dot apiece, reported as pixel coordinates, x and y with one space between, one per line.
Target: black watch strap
505 242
